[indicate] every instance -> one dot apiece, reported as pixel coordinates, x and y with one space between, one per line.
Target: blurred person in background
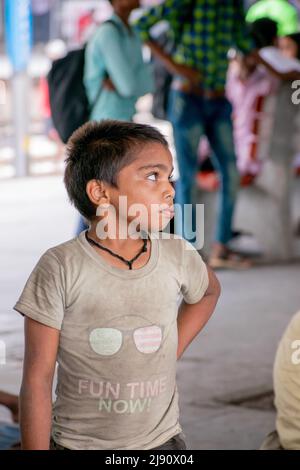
115 74
286 381
249 84
290 47
203 33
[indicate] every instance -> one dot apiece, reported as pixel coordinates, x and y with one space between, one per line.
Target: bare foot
219 251
223 258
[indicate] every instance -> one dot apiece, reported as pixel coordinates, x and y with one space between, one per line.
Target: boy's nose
170 193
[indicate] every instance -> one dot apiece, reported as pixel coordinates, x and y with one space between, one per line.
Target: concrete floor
224 378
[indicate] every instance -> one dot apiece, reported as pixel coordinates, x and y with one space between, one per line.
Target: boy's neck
115 244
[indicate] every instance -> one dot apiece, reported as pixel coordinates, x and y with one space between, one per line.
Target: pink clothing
45 99
249 114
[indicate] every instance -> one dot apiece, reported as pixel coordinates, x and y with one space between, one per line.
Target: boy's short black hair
99 150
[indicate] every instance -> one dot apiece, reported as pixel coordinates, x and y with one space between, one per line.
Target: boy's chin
159 227
153 226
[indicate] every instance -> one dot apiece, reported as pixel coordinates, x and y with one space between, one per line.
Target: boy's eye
152 176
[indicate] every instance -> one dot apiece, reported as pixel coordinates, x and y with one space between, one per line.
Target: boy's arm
41 344
192 317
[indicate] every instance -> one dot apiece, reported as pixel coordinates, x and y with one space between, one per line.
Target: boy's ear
97 192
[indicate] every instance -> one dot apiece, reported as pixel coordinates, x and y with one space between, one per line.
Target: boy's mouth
168 211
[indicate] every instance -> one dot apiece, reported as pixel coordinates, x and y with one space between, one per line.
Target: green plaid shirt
204 31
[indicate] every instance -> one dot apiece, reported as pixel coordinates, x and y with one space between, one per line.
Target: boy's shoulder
175 247
63 251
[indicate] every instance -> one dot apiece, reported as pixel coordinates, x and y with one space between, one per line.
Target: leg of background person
220 135
41 28
185 115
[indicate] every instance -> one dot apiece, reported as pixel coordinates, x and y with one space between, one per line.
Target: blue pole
18 39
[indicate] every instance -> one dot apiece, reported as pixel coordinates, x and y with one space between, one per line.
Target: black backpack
68 101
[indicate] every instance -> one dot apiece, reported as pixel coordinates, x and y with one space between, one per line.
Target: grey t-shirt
118 340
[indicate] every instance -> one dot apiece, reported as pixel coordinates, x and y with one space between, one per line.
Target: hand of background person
254 56
194 76
247 64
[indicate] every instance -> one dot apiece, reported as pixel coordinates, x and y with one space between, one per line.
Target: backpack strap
110 21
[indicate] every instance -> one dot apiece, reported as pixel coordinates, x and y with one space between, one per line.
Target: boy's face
146 182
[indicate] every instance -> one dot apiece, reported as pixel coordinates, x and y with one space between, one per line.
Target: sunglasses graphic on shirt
108 341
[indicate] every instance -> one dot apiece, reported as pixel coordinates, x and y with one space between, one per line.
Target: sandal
230 261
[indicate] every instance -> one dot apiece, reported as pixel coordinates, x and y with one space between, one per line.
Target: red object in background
45 99
84 22
208 180
247 180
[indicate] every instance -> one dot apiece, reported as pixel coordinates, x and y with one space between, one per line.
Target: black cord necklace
128 262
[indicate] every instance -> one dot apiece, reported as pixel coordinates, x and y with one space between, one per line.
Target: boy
104 305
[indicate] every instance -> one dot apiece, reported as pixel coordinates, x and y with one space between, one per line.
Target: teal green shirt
117 51
280 11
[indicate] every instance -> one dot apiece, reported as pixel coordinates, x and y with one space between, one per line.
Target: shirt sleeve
172 11
194 275
43 297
